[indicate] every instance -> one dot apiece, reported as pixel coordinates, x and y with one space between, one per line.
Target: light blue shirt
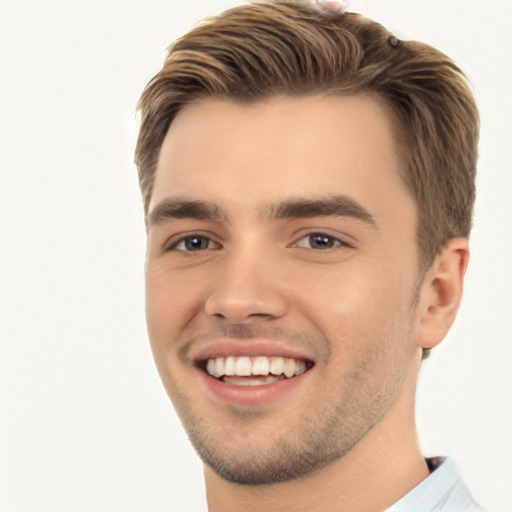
442 491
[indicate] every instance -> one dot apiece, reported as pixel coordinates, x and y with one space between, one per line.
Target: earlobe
441 293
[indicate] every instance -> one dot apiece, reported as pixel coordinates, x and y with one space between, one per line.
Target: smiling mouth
254 371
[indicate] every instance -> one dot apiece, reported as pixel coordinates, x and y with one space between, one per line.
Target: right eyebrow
324 206
180 208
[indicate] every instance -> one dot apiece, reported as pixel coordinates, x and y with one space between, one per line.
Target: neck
384 466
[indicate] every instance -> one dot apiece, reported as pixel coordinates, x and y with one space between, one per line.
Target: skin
357 308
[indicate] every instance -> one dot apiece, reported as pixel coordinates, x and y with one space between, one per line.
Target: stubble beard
314 438
305 448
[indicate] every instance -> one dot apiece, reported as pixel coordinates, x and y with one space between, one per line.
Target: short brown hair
256 52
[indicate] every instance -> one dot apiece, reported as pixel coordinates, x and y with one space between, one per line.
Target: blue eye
194 243
319 241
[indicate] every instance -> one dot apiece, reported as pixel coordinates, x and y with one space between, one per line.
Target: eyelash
194 236
336 242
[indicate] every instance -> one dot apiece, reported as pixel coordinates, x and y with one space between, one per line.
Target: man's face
281 241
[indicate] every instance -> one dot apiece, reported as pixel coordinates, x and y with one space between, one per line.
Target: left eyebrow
329 206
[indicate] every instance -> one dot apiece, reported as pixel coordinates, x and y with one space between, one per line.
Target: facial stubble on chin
310 441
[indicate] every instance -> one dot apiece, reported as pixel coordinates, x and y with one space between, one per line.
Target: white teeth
229 366
277 365
251 382
219 367
289 368
210 366
261 365
243 367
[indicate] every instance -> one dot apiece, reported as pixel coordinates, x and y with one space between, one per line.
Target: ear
441 293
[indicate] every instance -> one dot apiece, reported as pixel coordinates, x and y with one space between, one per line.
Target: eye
193 243
320 241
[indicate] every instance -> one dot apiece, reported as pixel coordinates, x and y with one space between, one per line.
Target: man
308 184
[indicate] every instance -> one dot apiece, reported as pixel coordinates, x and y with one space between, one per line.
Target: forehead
248 154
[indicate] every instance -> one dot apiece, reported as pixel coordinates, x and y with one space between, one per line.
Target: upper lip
250 348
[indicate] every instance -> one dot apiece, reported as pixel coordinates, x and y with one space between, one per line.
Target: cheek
171 305
350 303
172 300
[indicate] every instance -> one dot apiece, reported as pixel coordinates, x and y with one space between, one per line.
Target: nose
247 289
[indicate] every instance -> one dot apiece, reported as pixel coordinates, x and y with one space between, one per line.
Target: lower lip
251 395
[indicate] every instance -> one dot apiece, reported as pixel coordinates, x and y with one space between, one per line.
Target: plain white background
84 423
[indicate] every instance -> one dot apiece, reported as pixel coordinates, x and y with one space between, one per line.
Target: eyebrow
171 209
329 206
293 208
